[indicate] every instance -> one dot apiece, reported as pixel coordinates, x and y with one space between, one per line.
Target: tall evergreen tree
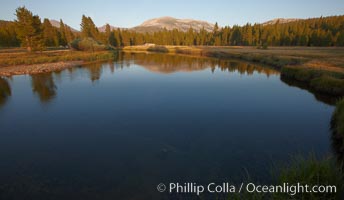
88 28
63 39
50 35
29 29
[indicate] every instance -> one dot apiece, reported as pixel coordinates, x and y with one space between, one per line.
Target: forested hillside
323 31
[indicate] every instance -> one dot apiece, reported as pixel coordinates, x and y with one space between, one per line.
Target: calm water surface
115 130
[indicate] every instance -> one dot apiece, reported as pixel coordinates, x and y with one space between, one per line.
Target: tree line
28 30
323 31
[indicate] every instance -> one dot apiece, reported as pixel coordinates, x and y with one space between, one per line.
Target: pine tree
63 39
340 39
88 28
69 35
112 39
29 29
107 34
8 34
50 35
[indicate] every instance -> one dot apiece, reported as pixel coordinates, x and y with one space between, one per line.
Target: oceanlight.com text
291 189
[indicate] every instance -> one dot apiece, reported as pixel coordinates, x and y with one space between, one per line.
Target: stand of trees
28 30
323 31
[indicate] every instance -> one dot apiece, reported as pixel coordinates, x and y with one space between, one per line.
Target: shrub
87 44
158 48
74 44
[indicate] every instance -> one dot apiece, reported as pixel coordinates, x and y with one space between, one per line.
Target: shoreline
47 61
278 57
38 68
321 68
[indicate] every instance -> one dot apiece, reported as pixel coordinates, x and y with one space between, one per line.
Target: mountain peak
171 23
280 21
56 24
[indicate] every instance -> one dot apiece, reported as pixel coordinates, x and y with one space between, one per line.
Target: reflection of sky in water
104 130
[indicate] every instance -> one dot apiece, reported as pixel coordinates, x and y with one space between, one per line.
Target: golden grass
23 58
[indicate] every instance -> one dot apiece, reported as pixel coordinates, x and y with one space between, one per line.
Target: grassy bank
22 58
322 81
337 122
305 171
337 129
312 171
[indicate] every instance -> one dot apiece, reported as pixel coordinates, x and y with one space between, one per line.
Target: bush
87 44
263 46
158 48
74 44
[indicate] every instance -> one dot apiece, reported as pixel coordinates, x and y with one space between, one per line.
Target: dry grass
16 58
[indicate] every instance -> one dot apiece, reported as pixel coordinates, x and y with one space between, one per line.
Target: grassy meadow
14 57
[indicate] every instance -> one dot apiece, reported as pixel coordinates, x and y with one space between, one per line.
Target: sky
130 13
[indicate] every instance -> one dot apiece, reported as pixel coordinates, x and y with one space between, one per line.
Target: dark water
115 130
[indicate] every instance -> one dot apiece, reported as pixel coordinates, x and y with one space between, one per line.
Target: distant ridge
171 23
103 28
168 23
56 24
280 21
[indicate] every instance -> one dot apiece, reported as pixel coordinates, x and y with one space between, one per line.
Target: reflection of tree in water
167 63
5 91
44 86
112 67
94 70
245 68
